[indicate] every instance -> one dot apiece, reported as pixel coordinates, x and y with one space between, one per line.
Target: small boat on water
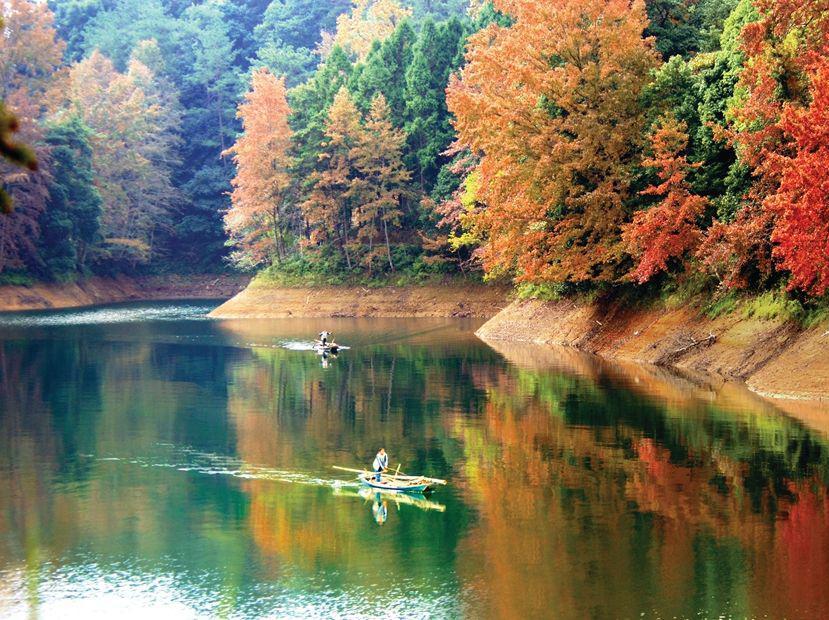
392 483
331 347
396 482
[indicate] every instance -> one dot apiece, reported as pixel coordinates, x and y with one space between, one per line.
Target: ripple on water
186 459
121 313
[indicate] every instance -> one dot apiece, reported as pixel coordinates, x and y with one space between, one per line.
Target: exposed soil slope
93 291
772 357
450 300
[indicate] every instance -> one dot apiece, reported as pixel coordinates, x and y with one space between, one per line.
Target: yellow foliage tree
369 21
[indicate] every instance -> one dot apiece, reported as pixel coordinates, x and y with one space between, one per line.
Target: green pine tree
384 72
69 227
435 56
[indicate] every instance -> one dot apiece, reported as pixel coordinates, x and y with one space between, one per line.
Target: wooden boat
397 482
392 483
331 347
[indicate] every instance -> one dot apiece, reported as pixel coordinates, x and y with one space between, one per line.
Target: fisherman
324 337
381 463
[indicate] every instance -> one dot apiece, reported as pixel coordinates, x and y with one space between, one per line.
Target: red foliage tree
782 48
670 229
801 203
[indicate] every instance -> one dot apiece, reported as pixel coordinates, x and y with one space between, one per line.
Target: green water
154 464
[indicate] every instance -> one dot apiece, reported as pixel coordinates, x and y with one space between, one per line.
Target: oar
356 471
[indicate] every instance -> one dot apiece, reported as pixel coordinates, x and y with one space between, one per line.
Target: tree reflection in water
578 488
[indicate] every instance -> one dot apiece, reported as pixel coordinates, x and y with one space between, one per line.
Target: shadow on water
181 466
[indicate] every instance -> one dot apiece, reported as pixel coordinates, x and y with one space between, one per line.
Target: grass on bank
696 292
299 272
770 306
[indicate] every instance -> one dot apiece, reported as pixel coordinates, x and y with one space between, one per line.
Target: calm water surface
154 463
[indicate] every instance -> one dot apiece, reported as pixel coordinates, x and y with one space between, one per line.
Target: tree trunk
345 247
388 245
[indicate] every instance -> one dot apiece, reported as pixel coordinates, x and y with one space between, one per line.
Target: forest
565 145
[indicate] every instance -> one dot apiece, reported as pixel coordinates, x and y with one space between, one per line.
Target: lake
155 463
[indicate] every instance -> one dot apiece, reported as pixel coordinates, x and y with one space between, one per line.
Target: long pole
401 476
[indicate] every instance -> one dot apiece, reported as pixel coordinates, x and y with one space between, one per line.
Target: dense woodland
568 145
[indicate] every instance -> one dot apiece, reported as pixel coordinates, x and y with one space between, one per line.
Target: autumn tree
368 21
552 105
329 207
801 202
783 41
447 208
30 79
260 218
669 231
133 138
380 184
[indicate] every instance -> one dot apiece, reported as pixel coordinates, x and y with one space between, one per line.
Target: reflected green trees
163 452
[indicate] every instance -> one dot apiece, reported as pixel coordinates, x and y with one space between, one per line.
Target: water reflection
184 466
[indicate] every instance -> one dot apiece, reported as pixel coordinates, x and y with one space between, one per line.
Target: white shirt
381 461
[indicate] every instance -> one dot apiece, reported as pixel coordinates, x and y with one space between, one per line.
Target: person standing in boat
381 463
324 337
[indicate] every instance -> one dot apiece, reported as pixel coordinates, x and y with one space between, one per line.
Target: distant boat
332 347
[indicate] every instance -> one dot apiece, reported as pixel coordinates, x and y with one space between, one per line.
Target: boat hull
326 349
386 484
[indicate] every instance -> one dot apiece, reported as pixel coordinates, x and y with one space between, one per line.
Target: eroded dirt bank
773 358
449 300
41 296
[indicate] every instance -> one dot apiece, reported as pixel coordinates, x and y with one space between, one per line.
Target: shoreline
105 290
774 359
778 361
451 299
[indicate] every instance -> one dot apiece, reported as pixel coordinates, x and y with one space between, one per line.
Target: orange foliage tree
260 217
30 80
552 105
380 184
329 206
670 229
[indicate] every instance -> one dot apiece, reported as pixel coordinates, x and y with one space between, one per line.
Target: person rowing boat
324 337
381 463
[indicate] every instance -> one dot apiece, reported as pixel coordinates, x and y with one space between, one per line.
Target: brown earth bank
434 300
774 358
99 290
